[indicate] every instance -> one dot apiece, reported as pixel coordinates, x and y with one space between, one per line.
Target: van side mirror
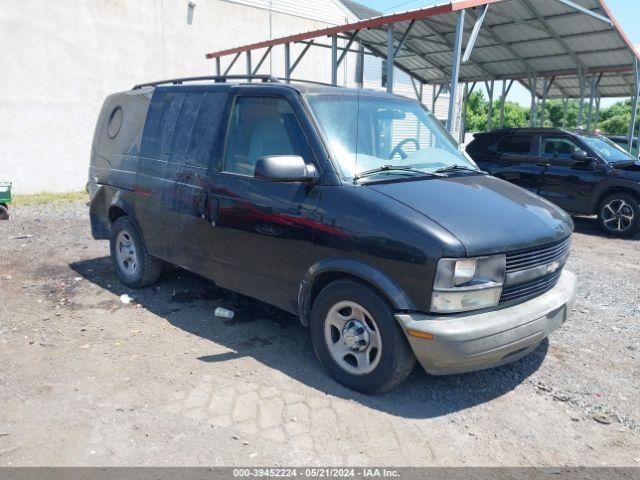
285 168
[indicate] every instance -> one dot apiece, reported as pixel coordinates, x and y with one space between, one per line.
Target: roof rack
215 78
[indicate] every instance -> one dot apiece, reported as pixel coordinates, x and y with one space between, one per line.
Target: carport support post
360 67
249 69
490 88
334 60
581 81
287 62
594 84
545 89
565 106
463 125
634 103
502 100
390 58
434 99
455 71
533 113
218 66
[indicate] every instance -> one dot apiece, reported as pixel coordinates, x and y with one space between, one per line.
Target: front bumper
466 342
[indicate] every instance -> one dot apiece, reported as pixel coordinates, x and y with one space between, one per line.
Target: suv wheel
358 340
619 214
133 264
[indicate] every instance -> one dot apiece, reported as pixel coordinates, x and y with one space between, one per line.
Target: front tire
619 214
357 339
131 260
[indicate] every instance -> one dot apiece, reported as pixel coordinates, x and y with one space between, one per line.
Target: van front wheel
358 340
133 264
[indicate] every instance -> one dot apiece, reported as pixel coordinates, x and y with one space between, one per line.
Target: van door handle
212 209
543 164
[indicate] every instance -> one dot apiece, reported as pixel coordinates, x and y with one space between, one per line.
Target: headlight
468 283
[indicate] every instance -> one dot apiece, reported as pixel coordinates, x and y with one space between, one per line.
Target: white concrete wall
58 60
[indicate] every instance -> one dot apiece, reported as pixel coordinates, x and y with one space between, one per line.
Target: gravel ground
87 380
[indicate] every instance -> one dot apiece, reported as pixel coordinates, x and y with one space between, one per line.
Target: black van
353 209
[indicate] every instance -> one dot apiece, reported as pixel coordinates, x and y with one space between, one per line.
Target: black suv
353 209
582 172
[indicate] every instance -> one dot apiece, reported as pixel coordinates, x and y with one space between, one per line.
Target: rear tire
131 260
4 213
357 339
619 214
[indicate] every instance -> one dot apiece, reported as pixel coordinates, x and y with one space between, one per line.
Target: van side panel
114 155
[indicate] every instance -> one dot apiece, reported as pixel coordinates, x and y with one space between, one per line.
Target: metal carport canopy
518 39
555 48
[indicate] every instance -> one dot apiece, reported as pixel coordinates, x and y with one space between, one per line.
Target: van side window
160 123
516 144
262 126
183 126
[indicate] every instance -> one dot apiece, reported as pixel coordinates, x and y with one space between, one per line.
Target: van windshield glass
370 135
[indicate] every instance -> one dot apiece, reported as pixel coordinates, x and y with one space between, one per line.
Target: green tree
515 115
613 120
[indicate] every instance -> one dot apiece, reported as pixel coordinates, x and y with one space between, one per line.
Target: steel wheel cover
126 253
353 338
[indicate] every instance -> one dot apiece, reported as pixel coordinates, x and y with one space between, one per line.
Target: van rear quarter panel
113 162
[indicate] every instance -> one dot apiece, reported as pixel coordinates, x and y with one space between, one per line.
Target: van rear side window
115 122
182 127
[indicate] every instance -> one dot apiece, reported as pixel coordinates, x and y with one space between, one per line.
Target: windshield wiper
389 168
454 168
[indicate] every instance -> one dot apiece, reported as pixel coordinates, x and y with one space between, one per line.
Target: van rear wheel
131 260
358 340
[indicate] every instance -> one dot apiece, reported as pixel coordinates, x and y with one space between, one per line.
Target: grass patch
48 197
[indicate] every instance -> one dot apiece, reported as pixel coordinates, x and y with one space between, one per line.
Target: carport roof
518 39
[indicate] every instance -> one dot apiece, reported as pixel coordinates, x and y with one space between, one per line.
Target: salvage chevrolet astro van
353 209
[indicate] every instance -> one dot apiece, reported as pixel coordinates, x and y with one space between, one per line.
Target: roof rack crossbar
215 78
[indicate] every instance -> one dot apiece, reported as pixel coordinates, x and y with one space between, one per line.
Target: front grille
530 259
534 257
530 289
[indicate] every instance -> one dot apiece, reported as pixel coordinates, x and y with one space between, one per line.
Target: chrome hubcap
126 254
618 216
353 338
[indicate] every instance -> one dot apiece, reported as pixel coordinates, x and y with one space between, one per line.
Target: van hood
486 214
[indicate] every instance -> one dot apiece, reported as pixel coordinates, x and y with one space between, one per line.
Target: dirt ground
88 380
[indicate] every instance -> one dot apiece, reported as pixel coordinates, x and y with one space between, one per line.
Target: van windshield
371 135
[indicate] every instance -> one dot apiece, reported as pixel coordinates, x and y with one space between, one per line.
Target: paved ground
87 380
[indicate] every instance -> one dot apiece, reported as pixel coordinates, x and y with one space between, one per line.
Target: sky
626 12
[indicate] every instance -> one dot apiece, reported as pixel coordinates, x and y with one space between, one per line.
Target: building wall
59 60
330 11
